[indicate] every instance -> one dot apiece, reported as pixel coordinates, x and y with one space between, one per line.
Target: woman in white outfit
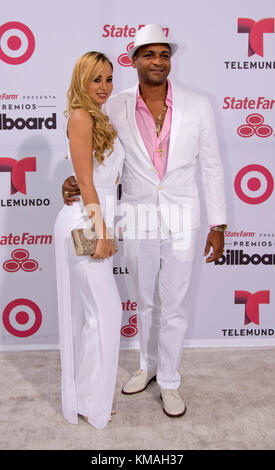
89 306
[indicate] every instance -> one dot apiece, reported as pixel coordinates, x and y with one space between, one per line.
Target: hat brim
172 45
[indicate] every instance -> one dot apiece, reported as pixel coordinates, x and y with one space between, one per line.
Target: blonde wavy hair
88 67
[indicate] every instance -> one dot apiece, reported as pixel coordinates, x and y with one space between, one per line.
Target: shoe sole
170 415
142 390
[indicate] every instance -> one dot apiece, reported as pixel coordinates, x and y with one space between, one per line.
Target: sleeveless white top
106 175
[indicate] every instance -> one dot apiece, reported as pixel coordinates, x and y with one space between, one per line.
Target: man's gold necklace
158 122
160 118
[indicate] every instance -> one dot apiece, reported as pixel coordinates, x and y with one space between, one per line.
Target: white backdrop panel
39 44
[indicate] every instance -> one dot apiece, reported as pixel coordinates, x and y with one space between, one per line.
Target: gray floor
229 394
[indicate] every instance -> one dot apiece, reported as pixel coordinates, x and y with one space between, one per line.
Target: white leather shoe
139 382
173 405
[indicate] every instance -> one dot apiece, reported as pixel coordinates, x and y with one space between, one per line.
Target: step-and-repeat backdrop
226 50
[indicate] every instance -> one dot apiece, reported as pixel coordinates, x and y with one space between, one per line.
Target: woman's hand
104 249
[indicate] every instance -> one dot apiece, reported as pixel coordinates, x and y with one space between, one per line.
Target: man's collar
169 100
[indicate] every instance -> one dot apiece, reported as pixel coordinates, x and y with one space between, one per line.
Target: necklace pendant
160 150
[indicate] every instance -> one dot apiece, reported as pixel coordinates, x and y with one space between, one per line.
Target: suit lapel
131 111
175 125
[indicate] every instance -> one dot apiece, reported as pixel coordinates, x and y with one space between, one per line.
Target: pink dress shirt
147 128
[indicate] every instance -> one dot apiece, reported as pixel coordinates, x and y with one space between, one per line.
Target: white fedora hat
151 34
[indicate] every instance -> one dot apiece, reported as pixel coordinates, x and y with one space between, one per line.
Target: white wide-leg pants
96 317
161 270
90 313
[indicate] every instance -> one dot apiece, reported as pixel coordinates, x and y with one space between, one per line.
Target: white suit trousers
161 270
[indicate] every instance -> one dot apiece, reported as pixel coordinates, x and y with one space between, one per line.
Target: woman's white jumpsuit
89 307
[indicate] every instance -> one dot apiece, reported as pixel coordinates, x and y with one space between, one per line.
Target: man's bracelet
219 228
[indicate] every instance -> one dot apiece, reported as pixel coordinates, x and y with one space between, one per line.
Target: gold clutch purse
85 241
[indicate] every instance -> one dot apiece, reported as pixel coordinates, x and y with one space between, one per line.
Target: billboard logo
254 184
20 259
18 170
254 125
32 123
252 303
255 31
238 257
17 43
22 318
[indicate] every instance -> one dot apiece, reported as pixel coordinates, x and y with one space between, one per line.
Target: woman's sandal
85 418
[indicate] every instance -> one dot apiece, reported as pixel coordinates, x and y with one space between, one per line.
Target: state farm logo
255 126
123 59
25 238
252 303
17 43
20 259
8 96
130 329
22 318
231 102
17 170
126 31
254 184
255 31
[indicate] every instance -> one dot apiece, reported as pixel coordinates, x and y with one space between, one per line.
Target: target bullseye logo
17 43
20 259
22 318
254 184
255 125
130 329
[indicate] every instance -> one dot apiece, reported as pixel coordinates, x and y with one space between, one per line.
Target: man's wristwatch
219 228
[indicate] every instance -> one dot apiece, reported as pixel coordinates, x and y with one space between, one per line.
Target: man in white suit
163 129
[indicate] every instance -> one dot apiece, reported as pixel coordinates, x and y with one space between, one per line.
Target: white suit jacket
192 138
